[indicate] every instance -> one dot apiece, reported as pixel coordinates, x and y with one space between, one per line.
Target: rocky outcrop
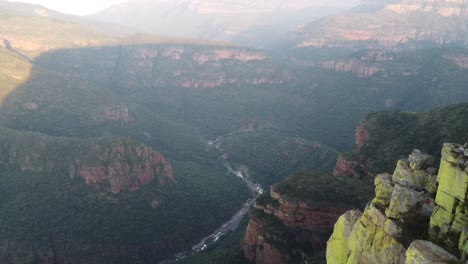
256 248
404 210
357 67
350 168
287 227
361 136
449 221
228 54
295 220
120 113
351 165
367 65
295 213
122 168
421 252
460 61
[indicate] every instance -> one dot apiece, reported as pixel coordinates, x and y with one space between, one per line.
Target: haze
83 7
87 7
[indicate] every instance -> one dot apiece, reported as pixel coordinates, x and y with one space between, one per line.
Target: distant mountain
253 23
387 24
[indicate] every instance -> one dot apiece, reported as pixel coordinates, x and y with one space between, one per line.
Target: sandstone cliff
349 164
366 65
404 212
293 221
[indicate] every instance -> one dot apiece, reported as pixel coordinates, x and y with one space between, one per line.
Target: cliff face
368 64
299 219
404 210
287 228
351 65
122 167
350 166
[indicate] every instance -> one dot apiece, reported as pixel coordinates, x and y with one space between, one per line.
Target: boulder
383 190
414 178
426 252
419 160
405 202
337 247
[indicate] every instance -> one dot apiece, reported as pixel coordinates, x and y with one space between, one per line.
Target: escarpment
293 221
415 217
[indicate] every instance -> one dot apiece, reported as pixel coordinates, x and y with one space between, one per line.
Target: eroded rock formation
294 220
404 210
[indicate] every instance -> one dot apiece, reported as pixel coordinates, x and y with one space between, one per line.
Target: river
235 220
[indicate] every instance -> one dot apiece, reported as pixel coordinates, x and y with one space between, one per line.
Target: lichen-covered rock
419 160
450 218
369 243
383 190
406 202
452 178
404 210
337 247
425 252
415 178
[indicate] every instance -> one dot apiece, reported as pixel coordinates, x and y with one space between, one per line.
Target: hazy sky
77 7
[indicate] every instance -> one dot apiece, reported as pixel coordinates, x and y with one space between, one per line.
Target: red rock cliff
300 219
122 168
353 166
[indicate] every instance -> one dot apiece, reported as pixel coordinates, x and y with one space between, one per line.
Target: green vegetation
45 210
228 251
270 154
324 189
394 134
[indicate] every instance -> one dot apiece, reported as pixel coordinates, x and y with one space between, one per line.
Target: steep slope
404 213
261 20
62 198
292 221
383 138
389 25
